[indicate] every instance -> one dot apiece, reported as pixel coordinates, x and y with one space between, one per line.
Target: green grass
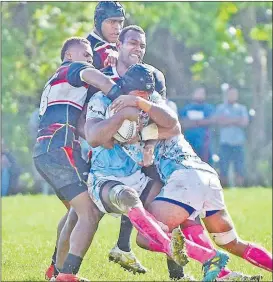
29 227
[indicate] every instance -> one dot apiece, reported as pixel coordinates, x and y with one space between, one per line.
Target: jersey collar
100 39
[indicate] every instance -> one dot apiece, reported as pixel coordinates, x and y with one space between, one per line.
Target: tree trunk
259 88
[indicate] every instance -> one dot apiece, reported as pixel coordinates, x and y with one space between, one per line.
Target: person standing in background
196 120
232 118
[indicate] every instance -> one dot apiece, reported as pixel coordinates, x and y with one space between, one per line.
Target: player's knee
123 198
129 198
225 239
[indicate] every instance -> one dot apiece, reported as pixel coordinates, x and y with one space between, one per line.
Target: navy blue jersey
100 49
61 104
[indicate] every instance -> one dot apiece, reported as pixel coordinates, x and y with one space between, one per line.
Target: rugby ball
127 130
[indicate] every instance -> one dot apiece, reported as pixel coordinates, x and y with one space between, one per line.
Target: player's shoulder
94 40
155 71
100 97
160 84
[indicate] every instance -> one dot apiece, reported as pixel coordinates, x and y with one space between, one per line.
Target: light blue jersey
174 154
111 162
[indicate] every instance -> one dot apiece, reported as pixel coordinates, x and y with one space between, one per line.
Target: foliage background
193 43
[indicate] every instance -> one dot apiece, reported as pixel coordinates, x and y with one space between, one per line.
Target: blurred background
204 49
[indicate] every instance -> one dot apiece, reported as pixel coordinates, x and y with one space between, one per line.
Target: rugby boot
69 278
127 260
178 252
213 266
238 276
50 272
176 272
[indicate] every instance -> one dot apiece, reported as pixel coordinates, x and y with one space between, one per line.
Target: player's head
109 19
77 49
138 80
131 45
232 95
199 95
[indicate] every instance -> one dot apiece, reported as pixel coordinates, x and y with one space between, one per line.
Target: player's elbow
176 129
173 121
91 137
93 141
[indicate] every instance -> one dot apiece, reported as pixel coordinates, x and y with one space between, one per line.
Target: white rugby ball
127 130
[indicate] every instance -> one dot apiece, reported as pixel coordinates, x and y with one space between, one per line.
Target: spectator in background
10 172
195 119
232 118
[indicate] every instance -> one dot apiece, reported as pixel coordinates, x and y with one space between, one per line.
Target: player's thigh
218 222
65 170
152 189
191 222
42 165
170 214
84 206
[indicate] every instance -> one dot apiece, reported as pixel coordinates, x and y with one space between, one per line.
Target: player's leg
122 253
173 215
223 232
39 162
194 231
53 268
67 170
119 198
63 242
176 271
220 225
179 199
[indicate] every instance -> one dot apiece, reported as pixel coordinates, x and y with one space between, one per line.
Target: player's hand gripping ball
127 130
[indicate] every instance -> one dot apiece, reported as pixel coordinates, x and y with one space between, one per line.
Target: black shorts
65 170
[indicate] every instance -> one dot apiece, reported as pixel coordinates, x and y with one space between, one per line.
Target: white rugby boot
127 260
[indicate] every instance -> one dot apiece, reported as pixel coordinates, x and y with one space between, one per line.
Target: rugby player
131 48
57 154
192 187
115 180
109 19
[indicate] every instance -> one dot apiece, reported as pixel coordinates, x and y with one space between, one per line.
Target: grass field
29 227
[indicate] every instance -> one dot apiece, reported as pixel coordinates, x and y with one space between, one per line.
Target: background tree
193 43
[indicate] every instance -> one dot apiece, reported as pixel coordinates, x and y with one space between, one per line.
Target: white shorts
198 189
138 181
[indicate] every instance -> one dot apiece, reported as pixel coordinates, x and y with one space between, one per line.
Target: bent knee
226 239
129 197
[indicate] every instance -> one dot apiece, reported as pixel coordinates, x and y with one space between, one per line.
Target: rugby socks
199 253
197 234
125 232
72 264
258 256
148 226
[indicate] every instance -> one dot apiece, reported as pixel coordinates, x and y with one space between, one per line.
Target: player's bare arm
99 131
84 74
161 115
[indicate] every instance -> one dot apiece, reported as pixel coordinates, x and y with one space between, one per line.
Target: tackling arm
81 73
99 132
